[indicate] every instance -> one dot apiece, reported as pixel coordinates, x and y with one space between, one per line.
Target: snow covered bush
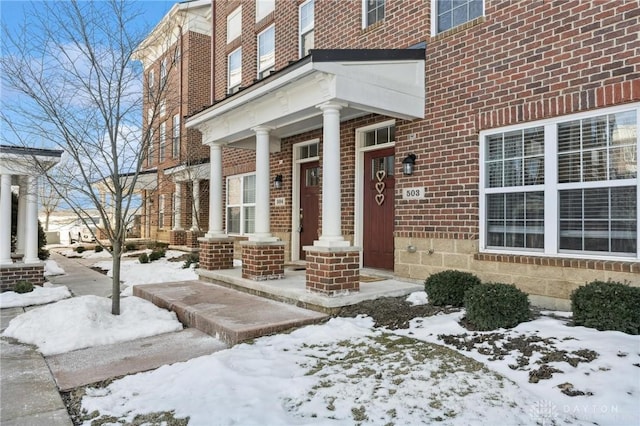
607 305
496 305
143 258
449 287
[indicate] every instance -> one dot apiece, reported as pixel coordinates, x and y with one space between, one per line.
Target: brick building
176 57
496 137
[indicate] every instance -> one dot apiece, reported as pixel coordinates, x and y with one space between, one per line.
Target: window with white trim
150 137
372 11
241 204
563 186
266 51
163 137
161 211
151 82
234 70
306 24
263 8
176 136
451 13
380 135
163 73
234 24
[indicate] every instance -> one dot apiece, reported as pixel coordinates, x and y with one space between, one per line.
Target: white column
5 219
196 205
216 228
177 214
331 198
263 187
31 233
22 216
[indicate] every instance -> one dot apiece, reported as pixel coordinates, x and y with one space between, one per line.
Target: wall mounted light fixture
408 164
277 182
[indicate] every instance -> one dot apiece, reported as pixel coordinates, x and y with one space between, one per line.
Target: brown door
379 184
309 204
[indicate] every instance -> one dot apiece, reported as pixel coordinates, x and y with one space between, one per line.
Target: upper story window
234 70
451 13
234 24
263 8
163 137
161 211
241 204
567 185
306 25
380 136
373 11
163 107
266 51
163 73
176 136
151 82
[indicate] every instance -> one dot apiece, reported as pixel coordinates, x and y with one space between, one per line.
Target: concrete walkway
80 279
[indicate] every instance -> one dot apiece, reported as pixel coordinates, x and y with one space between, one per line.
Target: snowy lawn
86 321
40 295
348 372
132 272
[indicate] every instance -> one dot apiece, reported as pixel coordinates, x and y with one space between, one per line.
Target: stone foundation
262 261
11 274
548 280
192 239
178 238
333 271
216 253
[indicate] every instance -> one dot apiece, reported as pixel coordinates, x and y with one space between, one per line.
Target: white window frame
151 82
230 87
552 188
303 31
151 136
161 206
263 72
163 140
434 17
234 24
175 146
263 8
242 205
163 107
365 14
163 73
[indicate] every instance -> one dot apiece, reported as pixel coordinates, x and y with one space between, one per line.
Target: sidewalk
79 278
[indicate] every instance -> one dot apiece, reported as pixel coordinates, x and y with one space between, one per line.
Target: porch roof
18 160
390 82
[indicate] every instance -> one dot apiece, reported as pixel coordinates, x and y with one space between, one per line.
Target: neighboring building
519 119
176 58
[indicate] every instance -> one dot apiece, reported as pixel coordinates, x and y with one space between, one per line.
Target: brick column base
192 238
11 274
333 271
262 261
178 238
216 253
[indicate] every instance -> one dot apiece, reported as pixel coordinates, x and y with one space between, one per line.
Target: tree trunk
46 220
115 283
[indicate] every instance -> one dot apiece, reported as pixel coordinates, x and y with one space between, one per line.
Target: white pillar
331 197
177 213
196 205
5 219
22 216
31 233
216 227
263 187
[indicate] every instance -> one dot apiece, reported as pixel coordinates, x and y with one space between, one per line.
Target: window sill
373 27
600 265
462 27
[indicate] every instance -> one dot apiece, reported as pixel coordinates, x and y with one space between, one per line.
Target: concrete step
229 315
91 365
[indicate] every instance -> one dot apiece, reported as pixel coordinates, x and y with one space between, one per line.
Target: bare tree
80 90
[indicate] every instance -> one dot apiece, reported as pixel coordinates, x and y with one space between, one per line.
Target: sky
346 371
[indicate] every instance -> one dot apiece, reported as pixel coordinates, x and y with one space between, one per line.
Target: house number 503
413 193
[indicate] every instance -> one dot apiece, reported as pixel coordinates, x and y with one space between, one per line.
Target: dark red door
309 204
379 212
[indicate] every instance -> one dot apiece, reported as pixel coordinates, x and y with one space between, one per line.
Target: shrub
23 287
129 247
43 254
607 305
98 249
191 259
143 258
156 254
449 287
496 305
80 249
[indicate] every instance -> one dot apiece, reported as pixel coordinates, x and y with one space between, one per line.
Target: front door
378 211
309 204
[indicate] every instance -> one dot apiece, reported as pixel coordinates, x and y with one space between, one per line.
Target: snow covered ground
346 371
40 295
